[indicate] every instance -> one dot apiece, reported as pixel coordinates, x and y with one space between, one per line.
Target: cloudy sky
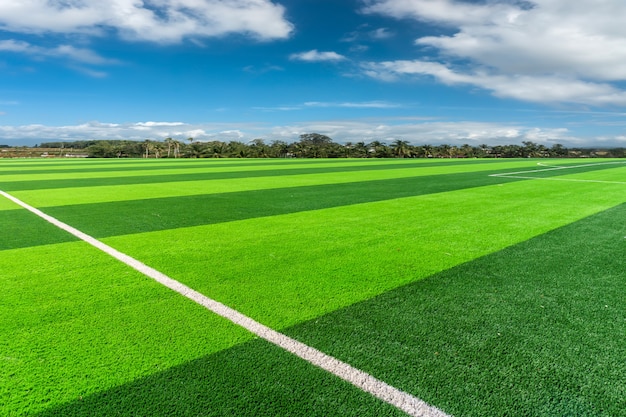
426 71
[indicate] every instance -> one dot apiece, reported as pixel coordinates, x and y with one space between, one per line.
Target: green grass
482 295
536 329
76 322
131 190
251 379
283 269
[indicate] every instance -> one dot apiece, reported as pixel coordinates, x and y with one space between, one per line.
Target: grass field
483 287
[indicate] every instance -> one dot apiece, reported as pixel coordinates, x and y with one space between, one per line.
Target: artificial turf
536 329
288 268
251 379
438 250
76 322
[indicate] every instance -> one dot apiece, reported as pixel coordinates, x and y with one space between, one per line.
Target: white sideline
554 168
391 395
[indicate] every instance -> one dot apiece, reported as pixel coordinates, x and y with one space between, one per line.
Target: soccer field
480 287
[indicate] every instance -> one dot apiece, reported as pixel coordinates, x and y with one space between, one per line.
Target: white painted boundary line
391 395
514 174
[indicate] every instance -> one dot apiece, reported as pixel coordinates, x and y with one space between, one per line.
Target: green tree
401 148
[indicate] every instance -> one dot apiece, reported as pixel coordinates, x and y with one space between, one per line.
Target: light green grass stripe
75 322
88 195
285 269
403 401
7 205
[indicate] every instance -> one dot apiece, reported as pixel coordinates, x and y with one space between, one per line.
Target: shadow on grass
536 329
136 216
253 379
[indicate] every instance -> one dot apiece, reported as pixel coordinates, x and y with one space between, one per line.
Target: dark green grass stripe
536 330
136 216
21 229
309 167
254 379
40 184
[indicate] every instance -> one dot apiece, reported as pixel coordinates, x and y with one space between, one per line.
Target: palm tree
401 148
428 151
157 147
176 148
147 144
168 142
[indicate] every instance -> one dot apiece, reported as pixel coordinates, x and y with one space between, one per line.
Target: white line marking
554 168
563 179
391 395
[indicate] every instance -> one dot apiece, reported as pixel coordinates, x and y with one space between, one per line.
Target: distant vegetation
310 145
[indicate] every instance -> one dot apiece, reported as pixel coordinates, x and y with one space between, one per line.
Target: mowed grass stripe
584 170
19 229
123 192
8 168
75 322
615 176
249 380
120 192
132 177
206 170
137 216
536 329
284 269
60 166
405 402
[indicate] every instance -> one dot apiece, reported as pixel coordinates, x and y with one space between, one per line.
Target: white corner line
555 168
362 380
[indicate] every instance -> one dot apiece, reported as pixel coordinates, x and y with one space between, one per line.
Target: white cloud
450 12
550 88
164 21
430 132
159 124
365 33
317 56
80 55
414 130
328 104
381 33
356 105
533 51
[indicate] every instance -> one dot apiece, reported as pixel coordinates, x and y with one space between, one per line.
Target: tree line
315 145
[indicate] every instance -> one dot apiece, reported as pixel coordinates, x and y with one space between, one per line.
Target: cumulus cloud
429 132
317 56
543 51
549 88
163 21
414 130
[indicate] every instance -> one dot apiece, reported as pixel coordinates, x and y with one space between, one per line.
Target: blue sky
426 71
